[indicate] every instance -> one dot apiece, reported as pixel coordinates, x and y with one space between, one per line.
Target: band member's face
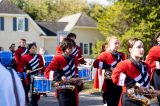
114 44
138 49
33 50
73 38
68 51
22 43
13 47
158 40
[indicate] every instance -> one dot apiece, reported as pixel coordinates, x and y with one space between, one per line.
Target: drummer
77 51
30 62
22 50
63 67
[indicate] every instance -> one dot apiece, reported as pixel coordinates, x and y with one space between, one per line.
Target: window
86 48
20 24
1 23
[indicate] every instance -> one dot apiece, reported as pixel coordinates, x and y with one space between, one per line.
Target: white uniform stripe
101 64
34 62
33 59
138 78
65 68
71 61
146 78
157 64
24 52
73 67
75 52
51 75
34 67
122 79
67 72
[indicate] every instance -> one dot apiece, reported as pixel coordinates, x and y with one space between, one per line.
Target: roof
78 19
8 7
85 20
51 28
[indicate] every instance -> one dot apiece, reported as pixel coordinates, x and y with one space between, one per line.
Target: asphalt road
85 100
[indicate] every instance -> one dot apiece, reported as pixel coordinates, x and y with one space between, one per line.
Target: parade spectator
11 90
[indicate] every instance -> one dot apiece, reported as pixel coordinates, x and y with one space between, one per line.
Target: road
85 100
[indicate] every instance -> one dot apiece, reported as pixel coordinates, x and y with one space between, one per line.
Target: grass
88 89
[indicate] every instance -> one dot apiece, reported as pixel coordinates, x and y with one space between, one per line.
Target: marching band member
96 81
106 62
131 72
153 59
12 50
64 67
77 51
30 62
22 50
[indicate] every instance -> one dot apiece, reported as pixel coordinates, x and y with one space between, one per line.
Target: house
16 24
85 28
80 24
51 28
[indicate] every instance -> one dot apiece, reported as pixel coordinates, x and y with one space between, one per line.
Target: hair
103 47
31 45
110 38
1 48
67 43
12 45
71 35
157 35
131 43
23 40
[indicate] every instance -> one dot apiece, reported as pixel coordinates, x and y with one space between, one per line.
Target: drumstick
80 58
35 70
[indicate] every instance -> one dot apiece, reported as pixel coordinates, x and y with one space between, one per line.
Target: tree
51 9
96 10
131 18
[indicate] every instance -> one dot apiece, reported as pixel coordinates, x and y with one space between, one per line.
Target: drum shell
6 58
48 59
84 72
41 85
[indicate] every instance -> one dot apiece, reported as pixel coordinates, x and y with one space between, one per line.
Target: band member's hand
56 84
80 83
64 78
28 71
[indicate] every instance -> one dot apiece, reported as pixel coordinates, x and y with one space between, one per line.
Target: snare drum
48 59
41 85
84 72
6 58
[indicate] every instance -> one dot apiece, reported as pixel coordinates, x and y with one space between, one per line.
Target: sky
102 2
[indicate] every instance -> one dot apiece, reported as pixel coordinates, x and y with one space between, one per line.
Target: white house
83 26
16 24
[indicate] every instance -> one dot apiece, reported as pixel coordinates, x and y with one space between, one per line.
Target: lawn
88 89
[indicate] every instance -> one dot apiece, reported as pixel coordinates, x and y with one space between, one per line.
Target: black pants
34 97
112 96
66 98
26 90
156 80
